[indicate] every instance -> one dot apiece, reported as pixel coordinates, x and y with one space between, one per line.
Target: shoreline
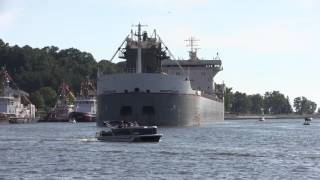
280 116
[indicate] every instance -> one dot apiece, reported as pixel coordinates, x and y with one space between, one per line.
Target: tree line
40 71
270 103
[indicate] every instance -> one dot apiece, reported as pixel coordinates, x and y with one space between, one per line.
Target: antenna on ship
139 61
155 33
193 51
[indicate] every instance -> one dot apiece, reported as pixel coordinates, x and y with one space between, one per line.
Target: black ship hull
160 109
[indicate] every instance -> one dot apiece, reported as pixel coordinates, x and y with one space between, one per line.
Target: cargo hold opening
126 110
148 110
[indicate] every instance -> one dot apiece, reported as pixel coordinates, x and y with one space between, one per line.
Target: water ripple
282 149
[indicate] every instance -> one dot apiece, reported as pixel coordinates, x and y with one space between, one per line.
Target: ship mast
138 63
5 79
139 59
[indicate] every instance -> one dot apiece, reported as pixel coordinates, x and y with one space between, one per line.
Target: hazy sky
265 45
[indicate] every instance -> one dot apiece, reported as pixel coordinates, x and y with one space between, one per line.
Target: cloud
7 18
268 38
307 4
265 38
2 2
176 4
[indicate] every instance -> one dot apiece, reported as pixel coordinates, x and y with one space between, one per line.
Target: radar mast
193 50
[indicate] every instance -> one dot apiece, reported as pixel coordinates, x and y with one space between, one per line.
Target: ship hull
81 117
160 109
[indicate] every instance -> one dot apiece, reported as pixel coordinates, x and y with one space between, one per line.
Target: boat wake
88 140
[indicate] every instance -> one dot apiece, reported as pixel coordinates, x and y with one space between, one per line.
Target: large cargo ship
158 90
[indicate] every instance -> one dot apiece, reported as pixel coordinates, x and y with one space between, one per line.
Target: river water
274 149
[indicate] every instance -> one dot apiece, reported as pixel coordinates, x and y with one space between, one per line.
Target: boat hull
81 117
131 138
160 109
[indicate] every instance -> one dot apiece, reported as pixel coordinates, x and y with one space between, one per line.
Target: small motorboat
127 132
72 120
262 118
307 121
262 115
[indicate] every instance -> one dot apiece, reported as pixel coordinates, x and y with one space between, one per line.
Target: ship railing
131 70
81 98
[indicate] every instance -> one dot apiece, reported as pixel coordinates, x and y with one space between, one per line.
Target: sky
264 45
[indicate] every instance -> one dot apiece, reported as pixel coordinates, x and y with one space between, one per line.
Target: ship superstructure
14 103
156 90
63 107
143 54
200 73
85 104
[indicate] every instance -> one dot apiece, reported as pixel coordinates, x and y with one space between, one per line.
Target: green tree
288 108
256 103
34 68
107 67
304 106
2 44
49 96
241 103
37 99
312 107
52 50
276 103
308 106
228 99
297 105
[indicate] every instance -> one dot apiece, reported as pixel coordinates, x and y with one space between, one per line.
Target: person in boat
135 124
125 124
107 124
121 125
308 119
